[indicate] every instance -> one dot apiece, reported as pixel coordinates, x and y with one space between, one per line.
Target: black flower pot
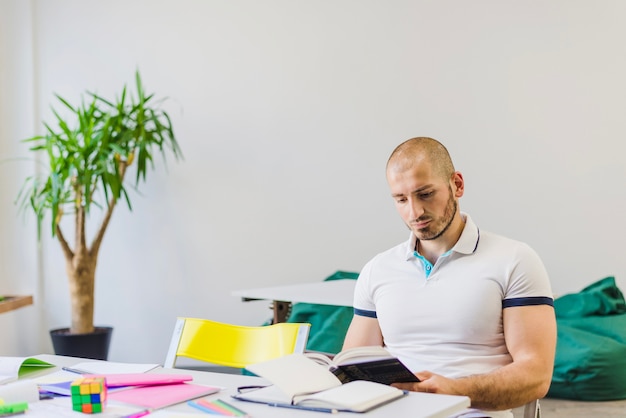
93 346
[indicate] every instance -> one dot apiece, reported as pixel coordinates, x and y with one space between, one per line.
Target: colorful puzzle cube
89 394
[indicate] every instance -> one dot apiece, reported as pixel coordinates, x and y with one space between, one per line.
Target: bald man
469 312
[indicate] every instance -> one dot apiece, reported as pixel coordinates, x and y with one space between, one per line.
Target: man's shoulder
503 244
502 239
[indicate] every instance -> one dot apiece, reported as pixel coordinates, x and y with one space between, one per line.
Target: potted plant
88 155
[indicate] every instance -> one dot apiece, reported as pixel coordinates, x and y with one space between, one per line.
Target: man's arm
363 331
530 334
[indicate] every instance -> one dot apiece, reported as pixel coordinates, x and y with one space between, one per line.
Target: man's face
425 202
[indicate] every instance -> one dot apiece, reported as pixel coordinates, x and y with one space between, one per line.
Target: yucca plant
88 155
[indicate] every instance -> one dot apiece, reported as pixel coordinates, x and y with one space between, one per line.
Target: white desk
415 405
331 292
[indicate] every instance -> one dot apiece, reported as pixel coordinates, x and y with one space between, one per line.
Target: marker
13 409
306 408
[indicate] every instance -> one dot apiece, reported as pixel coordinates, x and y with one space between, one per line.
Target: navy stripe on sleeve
528 301
363 312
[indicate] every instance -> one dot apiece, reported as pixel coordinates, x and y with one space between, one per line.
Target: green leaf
83 150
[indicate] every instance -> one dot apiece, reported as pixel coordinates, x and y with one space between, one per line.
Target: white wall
286 112
18 245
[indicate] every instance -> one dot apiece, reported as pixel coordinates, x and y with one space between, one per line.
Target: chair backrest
234 345
532 409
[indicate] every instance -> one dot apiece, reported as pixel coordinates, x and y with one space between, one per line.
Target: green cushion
329 323
590 361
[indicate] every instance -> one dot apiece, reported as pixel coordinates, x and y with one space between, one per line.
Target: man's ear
458 184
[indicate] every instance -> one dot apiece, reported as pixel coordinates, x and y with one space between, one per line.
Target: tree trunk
81 271
80 264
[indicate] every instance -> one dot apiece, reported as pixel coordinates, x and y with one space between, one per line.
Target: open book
299 382
373 363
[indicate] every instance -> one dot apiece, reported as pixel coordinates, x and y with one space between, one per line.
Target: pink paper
155 397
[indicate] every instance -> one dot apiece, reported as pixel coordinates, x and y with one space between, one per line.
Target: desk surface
332 292
415 405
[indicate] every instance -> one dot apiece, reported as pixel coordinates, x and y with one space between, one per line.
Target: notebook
162 396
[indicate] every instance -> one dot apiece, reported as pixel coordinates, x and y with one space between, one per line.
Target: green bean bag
329 323
590 361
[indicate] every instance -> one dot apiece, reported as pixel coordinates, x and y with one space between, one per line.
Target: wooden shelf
10 303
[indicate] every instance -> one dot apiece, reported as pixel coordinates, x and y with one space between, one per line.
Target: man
469 312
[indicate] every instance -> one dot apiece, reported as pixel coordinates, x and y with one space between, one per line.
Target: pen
77 371
231 408
306 408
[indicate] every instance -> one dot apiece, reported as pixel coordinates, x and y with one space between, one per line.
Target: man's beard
442 224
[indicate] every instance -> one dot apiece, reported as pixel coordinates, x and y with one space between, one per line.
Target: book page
319 358
356 396
361 354
295 374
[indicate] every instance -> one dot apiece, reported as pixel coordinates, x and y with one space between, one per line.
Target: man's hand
430 382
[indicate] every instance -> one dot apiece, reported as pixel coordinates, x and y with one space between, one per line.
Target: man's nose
415 209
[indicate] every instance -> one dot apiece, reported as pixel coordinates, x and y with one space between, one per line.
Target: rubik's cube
89 394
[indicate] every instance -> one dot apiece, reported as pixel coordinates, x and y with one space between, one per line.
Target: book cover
373 363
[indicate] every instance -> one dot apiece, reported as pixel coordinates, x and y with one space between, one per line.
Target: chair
532 409
234 345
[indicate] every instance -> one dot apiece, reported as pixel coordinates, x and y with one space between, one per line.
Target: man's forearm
508 387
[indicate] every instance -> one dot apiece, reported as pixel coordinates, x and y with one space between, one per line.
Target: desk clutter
76 389
117 390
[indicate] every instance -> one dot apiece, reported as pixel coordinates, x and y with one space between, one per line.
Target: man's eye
401 200
426 195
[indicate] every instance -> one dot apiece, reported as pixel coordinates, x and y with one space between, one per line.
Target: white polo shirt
447 318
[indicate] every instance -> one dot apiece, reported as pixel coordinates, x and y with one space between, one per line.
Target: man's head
426 188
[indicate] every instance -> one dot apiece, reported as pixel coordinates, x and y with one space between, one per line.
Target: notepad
354 396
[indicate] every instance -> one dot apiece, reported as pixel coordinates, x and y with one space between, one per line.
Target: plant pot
93 346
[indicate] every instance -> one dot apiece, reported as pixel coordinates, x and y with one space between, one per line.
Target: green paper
32 364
